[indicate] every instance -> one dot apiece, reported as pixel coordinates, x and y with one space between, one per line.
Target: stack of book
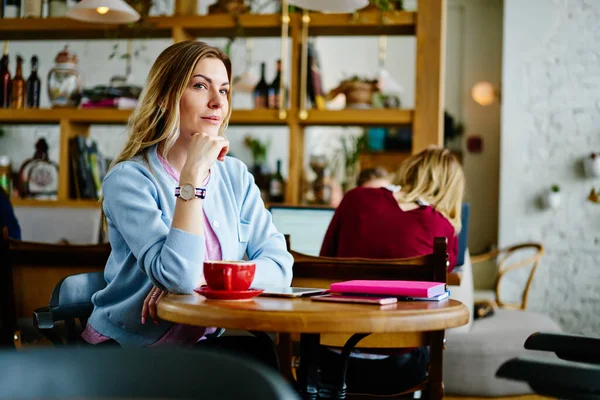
385 292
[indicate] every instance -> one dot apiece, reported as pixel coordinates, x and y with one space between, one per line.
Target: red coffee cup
229 275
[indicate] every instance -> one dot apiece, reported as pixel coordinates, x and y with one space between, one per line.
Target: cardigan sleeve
171 258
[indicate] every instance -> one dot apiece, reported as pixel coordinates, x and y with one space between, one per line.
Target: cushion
472 358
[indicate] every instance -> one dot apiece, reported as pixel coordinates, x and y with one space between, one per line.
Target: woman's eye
200 86
224 91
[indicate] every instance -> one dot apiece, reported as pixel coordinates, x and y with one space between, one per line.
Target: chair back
311 271
516 265
35 268
165 373
71 300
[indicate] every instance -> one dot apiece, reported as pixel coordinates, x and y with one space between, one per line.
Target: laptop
306 226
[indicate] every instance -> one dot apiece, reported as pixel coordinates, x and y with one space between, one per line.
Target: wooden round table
311 319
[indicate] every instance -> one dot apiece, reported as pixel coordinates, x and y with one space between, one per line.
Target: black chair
166 373
71 300
574 375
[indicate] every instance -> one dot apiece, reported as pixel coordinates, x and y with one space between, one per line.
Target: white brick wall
550 122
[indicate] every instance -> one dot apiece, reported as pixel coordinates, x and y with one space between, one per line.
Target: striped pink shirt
179 334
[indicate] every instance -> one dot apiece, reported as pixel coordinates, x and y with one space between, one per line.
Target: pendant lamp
336 6
104 12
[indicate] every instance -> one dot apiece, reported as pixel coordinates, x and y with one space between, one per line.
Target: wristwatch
187 192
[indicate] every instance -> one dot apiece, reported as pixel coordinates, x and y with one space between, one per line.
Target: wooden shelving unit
426 119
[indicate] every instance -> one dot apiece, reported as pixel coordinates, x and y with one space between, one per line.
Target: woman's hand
202 153
150 304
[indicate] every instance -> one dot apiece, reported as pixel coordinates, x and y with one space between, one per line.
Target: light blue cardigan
139 205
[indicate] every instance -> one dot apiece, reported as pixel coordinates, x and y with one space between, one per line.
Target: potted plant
591 165
358 91
553 197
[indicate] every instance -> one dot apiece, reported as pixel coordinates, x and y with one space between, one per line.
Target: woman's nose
215 102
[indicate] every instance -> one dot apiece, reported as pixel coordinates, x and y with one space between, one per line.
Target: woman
160 231
398 221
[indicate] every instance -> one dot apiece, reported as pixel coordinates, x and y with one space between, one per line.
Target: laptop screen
305 225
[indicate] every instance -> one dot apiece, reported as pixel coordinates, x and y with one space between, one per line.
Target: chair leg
435 390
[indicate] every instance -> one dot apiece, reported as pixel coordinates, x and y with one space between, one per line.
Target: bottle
261 90
18 86
34 85
274 89
5 81
5 175
277 185
32 8
38 176
11 9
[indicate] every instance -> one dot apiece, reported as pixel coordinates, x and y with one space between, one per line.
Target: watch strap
198 192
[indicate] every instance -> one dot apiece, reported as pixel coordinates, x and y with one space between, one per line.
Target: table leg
308 372
436 383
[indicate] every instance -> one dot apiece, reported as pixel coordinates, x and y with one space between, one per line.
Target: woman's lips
213 119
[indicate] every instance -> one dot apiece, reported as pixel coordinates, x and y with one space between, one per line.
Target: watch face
187 192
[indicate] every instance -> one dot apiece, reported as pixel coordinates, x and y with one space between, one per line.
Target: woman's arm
171 257
266 246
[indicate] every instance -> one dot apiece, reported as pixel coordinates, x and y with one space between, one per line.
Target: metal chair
574 375
71 300
166 373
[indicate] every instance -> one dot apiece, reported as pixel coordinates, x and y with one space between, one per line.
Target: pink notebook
395 288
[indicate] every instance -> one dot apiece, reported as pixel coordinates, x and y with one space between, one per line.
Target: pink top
179 334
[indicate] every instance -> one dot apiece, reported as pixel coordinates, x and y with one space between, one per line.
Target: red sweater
369 223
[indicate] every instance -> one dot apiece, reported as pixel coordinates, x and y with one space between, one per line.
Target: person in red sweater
396 221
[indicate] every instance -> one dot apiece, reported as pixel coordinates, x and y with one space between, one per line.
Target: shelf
218 25
55 203
377 117
366 23
110 116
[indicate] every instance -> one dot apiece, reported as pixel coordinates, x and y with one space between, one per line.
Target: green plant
555 188
348 157
258 149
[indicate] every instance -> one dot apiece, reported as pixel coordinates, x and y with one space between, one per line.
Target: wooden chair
310 271
509 260
32 271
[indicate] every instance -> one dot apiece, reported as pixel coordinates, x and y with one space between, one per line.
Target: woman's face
204 103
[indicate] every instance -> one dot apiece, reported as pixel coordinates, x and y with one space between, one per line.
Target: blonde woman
397 221
160 235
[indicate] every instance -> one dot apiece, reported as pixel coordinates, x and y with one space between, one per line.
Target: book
439 297
394 288
342 298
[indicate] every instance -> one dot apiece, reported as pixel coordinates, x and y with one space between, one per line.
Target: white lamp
484 93
103 11
337 6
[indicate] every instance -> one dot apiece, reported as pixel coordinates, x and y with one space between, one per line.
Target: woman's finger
145 306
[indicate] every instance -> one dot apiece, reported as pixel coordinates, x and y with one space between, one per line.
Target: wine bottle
34 85
18 86
274 89
261 90
5 81
277 185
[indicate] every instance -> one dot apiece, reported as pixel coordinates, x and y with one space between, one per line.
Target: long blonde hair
156 118
434 175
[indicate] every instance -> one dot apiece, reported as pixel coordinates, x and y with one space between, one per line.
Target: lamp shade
339 6
103 11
